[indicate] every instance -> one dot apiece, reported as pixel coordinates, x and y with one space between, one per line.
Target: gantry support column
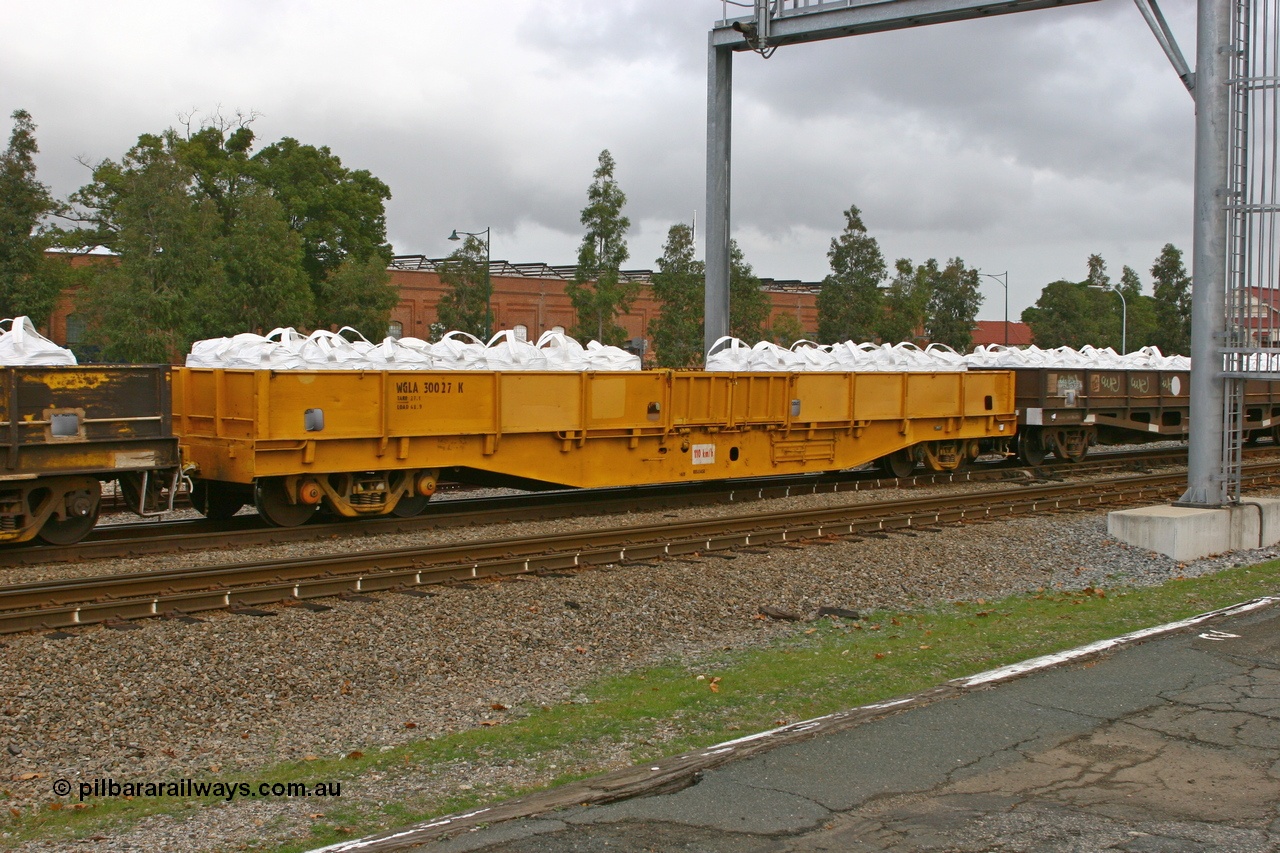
719 114
1206 472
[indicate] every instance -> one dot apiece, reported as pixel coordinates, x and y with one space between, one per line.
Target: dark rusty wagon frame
1065 411
65 431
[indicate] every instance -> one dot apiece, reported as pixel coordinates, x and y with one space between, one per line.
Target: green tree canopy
339 213
1066 314
749 305
29 281
598 292
678 285
465 307
1143 324
1172 288
212 241
169 249
1089 312
787 329
954 299
849 304
905 301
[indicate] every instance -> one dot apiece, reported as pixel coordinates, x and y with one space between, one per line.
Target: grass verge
817 669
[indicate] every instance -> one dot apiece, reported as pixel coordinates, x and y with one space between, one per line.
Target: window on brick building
75 330
395 330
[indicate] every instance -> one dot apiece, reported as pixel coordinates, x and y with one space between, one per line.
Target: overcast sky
1023 143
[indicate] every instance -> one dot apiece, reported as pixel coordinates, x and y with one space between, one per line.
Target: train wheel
81 507
900 463
409 507
273 504
215 501
1031 449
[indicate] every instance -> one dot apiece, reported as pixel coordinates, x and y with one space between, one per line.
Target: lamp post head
454 236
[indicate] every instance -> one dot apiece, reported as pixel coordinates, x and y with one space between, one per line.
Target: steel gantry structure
1236 87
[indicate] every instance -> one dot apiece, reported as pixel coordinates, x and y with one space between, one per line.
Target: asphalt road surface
1168 744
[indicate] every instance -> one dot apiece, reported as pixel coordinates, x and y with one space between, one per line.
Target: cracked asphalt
1169 745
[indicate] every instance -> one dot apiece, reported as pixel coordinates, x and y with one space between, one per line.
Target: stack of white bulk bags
287 349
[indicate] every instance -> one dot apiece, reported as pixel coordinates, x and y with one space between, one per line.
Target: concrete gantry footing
1189 533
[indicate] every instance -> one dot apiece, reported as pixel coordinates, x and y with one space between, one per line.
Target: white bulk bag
458 351
507 352
729 354
812 356
21 345
602 357
561 351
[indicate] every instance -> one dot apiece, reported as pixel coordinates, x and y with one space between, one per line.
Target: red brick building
533 296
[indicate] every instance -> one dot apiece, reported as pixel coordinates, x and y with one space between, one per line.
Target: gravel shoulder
234 693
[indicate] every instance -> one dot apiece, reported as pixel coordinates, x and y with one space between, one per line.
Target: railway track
138 538
94 600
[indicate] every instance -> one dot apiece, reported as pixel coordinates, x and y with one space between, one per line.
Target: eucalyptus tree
905 301
465 305
749 305
598 292
212 240
954 299
678 284
849 303
29 281
1172 289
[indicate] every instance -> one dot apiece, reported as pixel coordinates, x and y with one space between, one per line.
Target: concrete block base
1187 533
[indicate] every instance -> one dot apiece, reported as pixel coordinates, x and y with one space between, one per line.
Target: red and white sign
704 454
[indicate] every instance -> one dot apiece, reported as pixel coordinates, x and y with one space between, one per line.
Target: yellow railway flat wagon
369 442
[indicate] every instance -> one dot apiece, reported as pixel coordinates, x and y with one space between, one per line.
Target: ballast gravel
230 693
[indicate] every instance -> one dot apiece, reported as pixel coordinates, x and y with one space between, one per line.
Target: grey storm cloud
1022 142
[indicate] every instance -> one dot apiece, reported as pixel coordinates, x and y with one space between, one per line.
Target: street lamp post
1124 314
1003 278
488 282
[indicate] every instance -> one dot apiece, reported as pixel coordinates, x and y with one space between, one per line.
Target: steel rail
83 601
135 539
